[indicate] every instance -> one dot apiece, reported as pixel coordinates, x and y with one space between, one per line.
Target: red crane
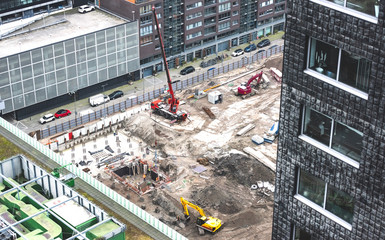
158 106
245 90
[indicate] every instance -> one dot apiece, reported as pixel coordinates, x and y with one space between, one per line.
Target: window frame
318 208
326 148
329 80
347 10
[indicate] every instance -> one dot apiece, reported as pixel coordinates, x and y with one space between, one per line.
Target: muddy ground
224 189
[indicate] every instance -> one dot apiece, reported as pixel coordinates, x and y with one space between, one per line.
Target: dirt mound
213 197
244 219
275 61
167 204
242 169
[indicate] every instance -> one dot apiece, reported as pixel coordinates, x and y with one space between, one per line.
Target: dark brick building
331 161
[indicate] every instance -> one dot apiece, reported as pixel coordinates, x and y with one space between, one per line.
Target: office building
330 167
195 29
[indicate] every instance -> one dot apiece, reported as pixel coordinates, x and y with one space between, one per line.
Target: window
194 25
209 21
159 15
211 10
335 135
146 19
223 26
266 12
194 5
221 1
209 2
279 8
224 7
145 30
366 6
194 35
194 15
145 40
264 4
235 22
158 5
299 234
235 13
210 30
339 65
235 3
224 16
326 196
145 9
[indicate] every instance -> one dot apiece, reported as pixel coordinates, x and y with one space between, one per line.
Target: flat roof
70 211
59 27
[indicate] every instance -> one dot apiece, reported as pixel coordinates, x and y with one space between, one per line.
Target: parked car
263 43
261 51
116 94
273 46
47 118
237 52
98 99
86 8
250 48
187 70
62 113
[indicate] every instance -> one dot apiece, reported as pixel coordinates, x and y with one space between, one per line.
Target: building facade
330 177
197 28
45 72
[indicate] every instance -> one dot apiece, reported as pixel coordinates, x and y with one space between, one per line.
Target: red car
62 113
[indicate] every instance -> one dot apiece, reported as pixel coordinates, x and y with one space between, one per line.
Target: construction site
220 158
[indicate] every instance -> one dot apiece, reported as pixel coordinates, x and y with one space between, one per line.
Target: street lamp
104 108
73 93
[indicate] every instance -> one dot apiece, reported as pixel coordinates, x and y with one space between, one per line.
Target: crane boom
173 101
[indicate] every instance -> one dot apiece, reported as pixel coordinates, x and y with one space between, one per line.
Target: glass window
101 50
25 59
92 78
59 49
39 82
120 30
92 65
90 39
41 95
51 91
110 34
18 102
82 68
83 81
112 72
121 44
102 75
17 89
38 69
100 37
354 71
336 202
122 69
49 65
317 126
326 59
3 65
69 46
323 58
300 234
111 59
29 98
4 79
80 43
70 59
59 62
13 62
5 92
102 62
15 75
344 139
91 52
28 85
367 6
311 188
347 141
36 55
340 204
50 78
62 88
121 57
47 52
224 7
111 47
81 56
61 75
72 85
71 72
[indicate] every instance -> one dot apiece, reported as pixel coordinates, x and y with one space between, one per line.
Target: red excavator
160 107
246 90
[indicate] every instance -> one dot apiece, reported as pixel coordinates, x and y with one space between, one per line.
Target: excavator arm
186 203
259 76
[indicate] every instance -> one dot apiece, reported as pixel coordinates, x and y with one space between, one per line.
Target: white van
98 99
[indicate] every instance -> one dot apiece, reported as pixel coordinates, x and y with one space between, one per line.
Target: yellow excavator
204 223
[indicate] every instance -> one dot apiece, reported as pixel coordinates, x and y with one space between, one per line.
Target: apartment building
330 166
197 28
